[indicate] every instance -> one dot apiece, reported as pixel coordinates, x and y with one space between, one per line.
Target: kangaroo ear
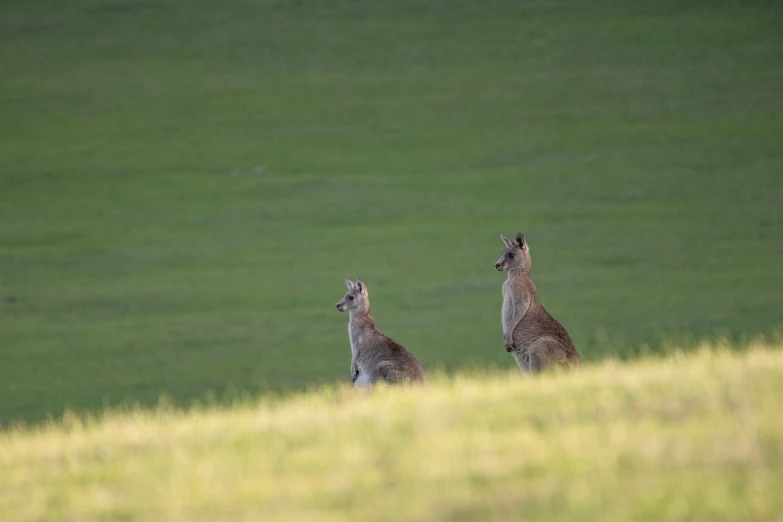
521 240
349 284
361 286
506 241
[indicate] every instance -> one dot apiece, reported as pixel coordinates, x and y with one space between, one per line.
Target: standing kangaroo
536 340
374 356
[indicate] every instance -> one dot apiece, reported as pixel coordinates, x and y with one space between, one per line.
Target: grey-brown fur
374 356
535 339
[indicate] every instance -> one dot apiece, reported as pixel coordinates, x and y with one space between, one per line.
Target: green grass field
184 185
686 438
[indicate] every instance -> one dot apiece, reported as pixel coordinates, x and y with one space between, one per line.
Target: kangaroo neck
361 319
518 275
522 279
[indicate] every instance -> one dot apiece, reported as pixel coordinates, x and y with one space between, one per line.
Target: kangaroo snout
498 266
339 307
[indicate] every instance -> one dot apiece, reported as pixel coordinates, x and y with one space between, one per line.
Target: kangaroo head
355 299
516 256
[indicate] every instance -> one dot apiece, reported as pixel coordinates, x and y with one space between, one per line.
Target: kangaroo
374 356
535 339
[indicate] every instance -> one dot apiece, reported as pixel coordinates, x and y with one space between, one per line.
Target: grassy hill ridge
687 437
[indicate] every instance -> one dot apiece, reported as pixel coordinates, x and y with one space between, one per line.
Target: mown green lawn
685 438
184 185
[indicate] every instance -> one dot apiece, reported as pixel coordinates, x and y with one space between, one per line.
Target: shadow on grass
230 396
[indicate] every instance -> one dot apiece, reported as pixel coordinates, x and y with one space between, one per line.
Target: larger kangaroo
374 356
536 340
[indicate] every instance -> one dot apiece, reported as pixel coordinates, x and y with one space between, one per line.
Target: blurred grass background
185 185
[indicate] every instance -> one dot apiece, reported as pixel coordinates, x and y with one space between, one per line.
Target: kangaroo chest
508 305
357 337
512 305
355 340
517 309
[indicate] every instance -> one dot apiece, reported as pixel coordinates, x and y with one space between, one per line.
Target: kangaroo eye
511 256
350 298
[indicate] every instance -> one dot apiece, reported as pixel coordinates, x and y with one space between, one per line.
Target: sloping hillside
697 437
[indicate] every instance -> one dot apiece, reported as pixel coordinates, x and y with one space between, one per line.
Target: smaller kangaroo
374 356
536 340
